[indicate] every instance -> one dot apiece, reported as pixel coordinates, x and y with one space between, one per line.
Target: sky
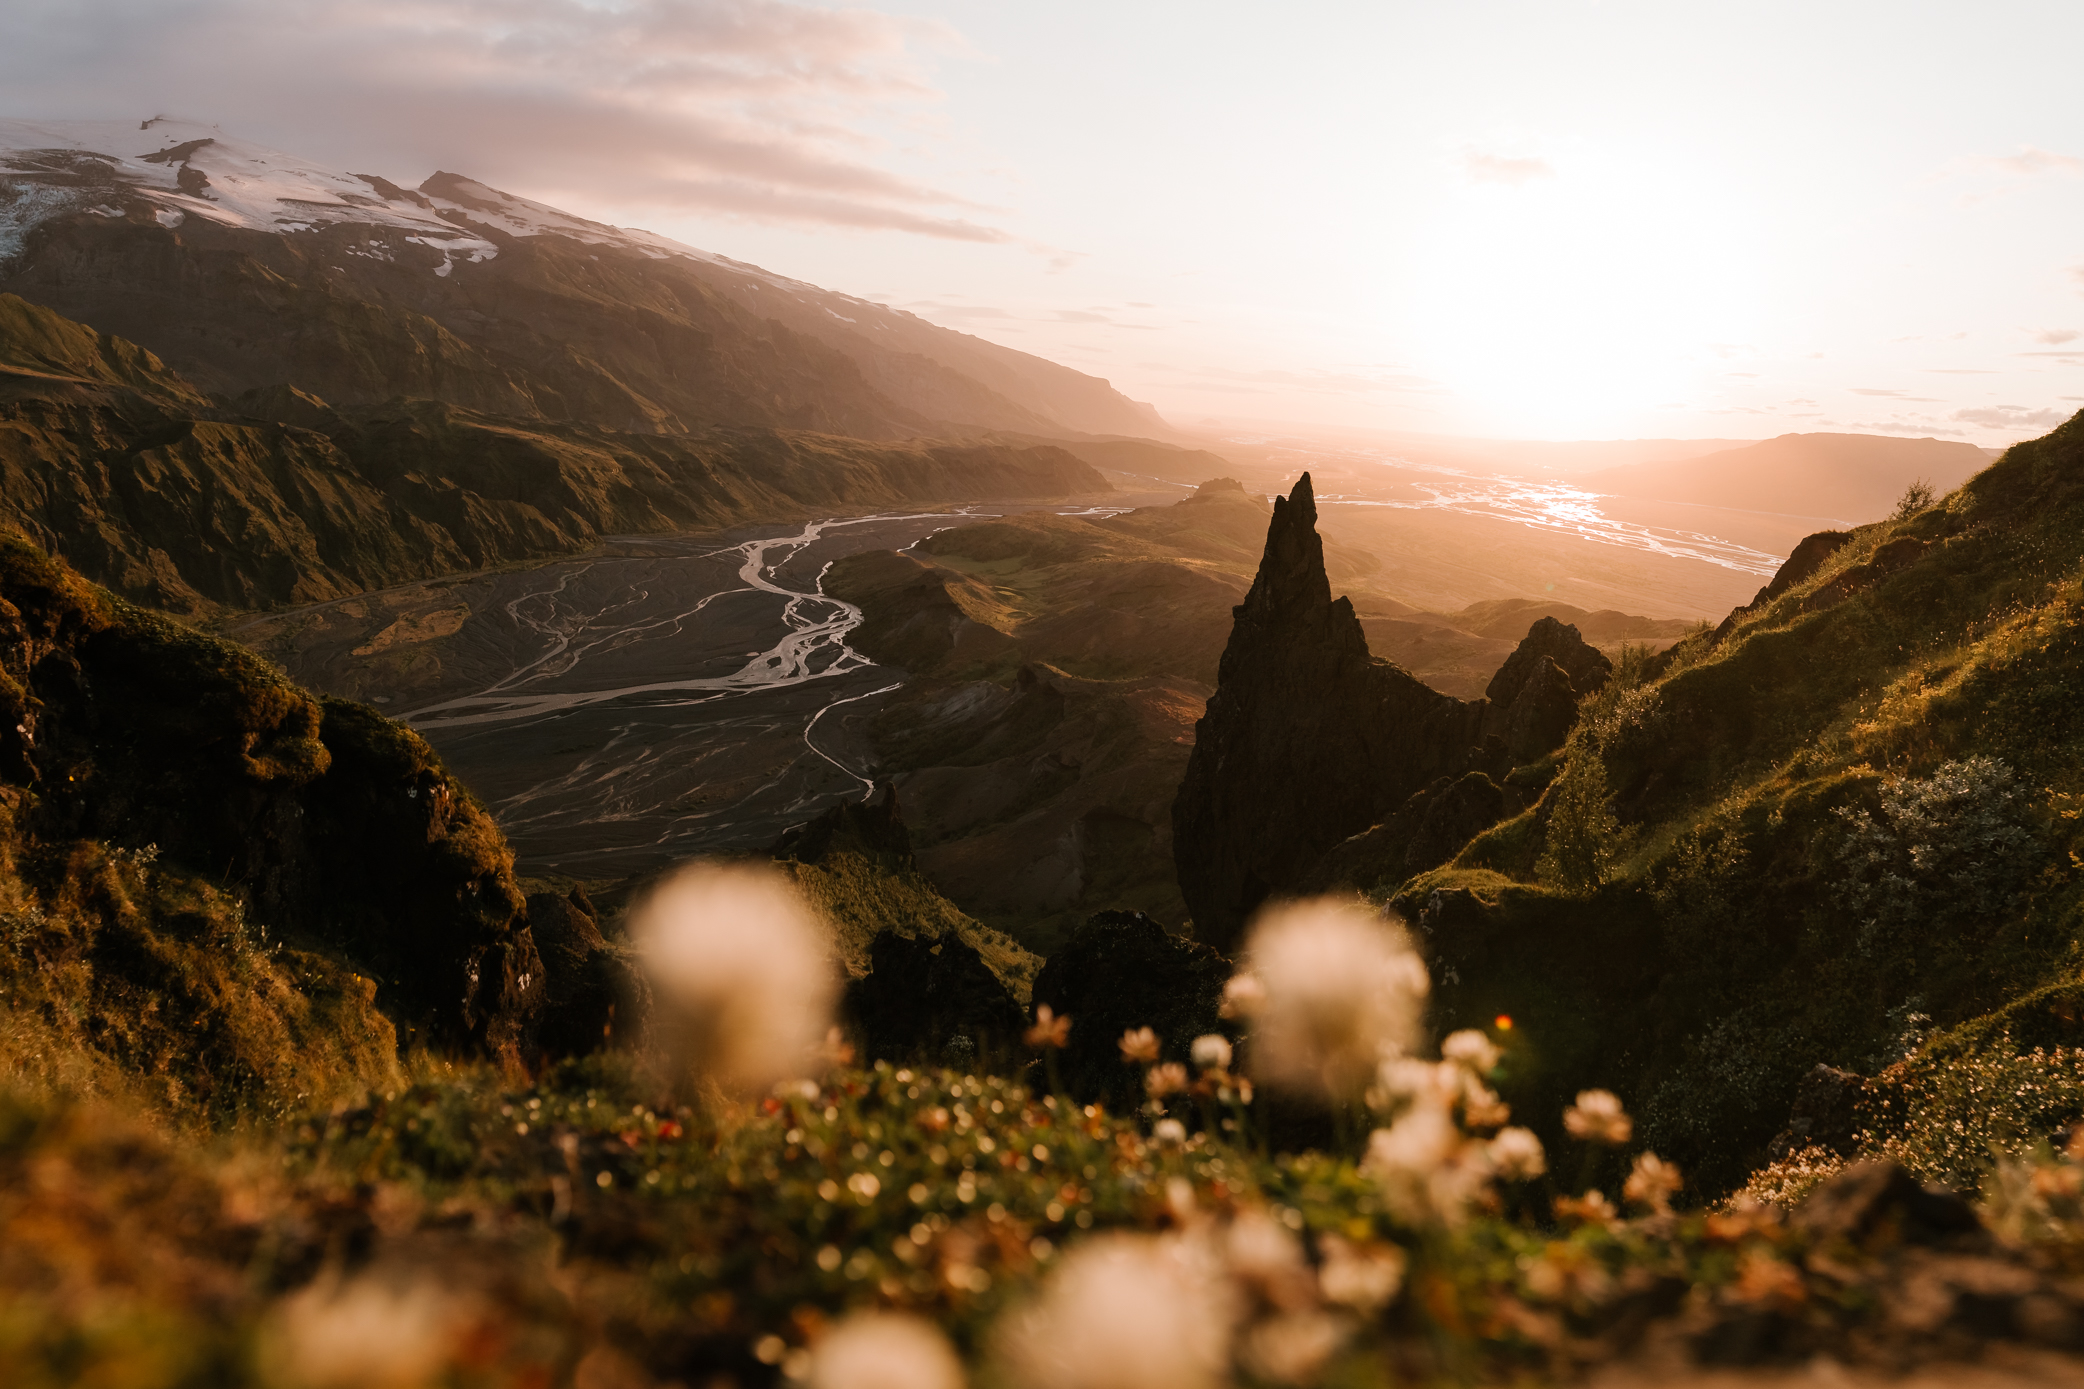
1554 219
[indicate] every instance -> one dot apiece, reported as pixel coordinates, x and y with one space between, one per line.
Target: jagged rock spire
1307 740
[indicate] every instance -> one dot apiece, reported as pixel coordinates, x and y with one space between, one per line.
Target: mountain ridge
244 268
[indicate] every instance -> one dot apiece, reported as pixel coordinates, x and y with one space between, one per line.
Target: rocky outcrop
594 995
1534 696
339 831
934 1001
1122 970
1308 739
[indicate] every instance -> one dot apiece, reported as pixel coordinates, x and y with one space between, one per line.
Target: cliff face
1307 740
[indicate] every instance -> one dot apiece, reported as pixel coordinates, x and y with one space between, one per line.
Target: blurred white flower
366 1333
1366 1277
1597 1117
1265 1256
1427 1167
1167 1079
884 1350
1123 1312
1470 1048
1168 1133
1342 989
1139 1044
1212 1052
1291 1348
1517 1155
1422 1138
741 969
1242 996
1653 1182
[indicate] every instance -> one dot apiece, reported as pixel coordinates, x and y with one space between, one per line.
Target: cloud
2008 417
1483 167
761 109
2030 161
2056 337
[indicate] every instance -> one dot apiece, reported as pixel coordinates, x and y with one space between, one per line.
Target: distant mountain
1853 477
245 268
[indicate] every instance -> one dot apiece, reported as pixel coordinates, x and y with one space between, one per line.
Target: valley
658 698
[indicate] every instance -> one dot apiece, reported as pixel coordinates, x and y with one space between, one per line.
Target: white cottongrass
1169 1133
1365 1277
884 1350
1341 989
1472 1049
1212 1052
1597 1117
741 969
1427 1167
365 1333
1291 1348
1517 1155
1124 1312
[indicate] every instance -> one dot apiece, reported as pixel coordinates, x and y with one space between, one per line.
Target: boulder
592 992
1119 971
1872 1205
921 995
1827 1113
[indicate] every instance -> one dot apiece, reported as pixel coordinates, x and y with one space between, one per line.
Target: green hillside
1842 829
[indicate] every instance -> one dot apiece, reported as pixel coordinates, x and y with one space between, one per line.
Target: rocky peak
1307 741
1534 696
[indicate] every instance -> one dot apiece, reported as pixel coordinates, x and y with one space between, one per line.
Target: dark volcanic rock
1457 814
1827 1112
593 993
919 995
873 828
1871 1204
1307 741
1121 970
1534 696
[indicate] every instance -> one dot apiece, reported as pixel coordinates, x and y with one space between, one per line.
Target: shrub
1949 846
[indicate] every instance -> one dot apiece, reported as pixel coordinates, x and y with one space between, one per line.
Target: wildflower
1422 1138
1472 1049
1591 1209
1481 1108
1342 988
740 967
1262 1255
1123 1312
1653 1183
1291 1348
1242 996
1167 1079
1049 1030
1566 1272
1212 1052
884 1350
1517 1156
367 1333
1597 1117
1169 1133
1139 1044
1765 1281
1365 1277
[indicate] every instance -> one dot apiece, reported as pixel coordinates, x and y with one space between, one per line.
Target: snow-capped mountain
245 267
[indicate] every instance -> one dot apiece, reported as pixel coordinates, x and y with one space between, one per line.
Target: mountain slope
111 459
1855 477
1842 830
247 268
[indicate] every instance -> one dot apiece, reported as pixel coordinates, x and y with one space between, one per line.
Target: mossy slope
1695 914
